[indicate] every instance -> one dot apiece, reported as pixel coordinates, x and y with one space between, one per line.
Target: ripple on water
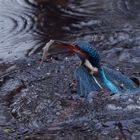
128 6
80 19
19 24
102 17
18 29
39 105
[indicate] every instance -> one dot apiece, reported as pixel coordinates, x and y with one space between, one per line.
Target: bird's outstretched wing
88 83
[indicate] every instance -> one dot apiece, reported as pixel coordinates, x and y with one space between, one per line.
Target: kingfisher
91 74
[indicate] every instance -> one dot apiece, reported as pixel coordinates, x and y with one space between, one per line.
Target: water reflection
17 29
26 25
62 3
51 21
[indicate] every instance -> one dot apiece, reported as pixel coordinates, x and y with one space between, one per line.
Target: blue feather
93 54
87 84
108 81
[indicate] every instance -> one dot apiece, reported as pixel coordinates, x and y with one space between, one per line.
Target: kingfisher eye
76 46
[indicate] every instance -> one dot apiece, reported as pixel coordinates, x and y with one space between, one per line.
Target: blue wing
87 84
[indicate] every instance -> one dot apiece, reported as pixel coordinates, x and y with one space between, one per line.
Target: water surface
38 104
26 25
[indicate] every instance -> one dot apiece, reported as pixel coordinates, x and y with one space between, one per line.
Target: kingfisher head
92 53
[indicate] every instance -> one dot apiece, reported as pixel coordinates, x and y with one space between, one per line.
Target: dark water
25 25
36 104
